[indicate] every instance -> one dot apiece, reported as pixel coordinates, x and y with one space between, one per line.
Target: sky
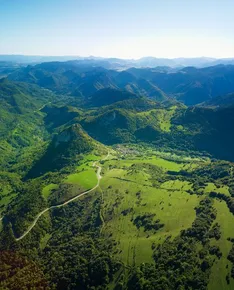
118 28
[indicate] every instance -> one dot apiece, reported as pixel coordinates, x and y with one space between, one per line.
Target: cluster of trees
75 256
18 272
147 222
178 264
214 171
22 210
205 215
231 259
228 199
62 194
81 263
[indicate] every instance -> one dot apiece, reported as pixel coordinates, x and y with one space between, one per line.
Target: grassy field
164 164
165 119
133 186
212 187
83 178
85 175
86 179
160 116
219 271
46 191
132 190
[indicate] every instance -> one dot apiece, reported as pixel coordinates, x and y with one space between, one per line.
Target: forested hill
111 180
189 85
221 101
22 124
116 116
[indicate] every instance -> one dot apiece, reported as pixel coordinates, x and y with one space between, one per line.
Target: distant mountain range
167 188
188 108
189 85
117 63
113 116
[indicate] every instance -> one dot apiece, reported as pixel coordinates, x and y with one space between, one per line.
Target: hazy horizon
113 57
121 29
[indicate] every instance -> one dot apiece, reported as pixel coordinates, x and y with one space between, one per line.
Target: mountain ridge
188 85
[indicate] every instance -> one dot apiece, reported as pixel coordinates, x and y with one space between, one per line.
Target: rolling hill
158 211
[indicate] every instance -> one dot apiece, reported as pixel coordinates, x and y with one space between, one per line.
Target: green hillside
109 183
63 150
22 124
108 96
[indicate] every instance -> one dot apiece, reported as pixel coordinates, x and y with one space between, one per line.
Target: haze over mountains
135 102
189 85
116 145
162 137
118 63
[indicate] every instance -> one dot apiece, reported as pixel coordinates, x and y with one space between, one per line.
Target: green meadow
46 191
222 266
133 186
86 179
85 175
132 191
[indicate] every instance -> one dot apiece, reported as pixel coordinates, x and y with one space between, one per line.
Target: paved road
99 169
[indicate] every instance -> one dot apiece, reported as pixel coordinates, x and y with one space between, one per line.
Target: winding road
99 169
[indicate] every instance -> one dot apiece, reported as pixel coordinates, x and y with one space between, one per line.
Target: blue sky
118 28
